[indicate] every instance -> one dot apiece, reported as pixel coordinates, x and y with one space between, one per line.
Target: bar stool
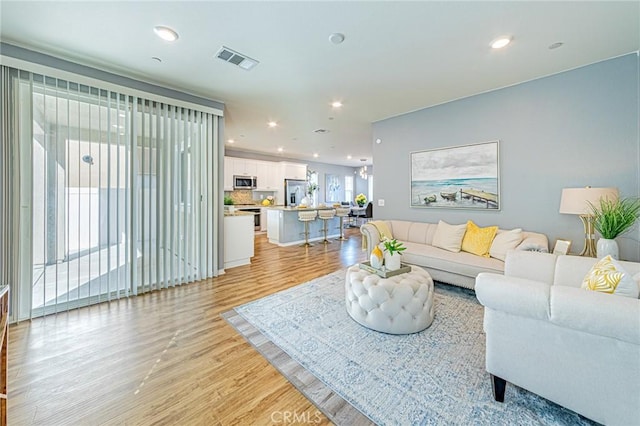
342 212
307 216
326 215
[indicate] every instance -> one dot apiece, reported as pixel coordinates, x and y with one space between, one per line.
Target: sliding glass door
117 193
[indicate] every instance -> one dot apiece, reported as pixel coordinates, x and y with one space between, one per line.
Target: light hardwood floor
167 357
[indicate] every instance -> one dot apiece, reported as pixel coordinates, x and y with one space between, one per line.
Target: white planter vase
607 247
392 262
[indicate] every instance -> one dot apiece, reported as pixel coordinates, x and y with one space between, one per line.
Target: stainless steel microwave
245 182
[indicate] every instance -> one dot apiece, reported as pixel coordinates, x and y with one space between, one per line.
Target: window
348 188
118 193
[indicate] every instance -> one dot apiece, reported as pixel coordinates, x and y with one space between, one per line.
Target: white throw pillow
505 241
533 243
449 237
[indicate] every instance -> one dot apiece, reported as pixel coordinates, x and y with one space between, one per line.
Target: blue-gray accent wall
572 129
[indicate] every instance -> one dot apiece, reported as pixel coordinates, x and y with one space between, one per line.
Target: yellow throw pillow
607 276
478 240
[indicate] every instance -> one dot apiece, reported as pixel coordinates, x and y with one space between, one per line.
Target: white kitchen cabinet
244 167
275 179
268 174
228 173
295 171
261 174
264 172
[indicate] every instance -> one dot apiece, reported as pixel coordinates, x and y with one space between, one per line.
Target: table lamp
576 201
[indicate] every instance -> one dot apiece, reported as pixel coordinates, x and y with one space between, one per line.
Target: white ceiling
397 56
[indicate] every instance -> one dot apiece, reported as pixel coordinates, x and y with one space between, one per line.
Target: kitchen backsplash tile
241 196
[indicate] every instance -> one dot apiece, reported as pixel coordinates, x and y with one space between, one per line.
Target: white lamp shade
576 200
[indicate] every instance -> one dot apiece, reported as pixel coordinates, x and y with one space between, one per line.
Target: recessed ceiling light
272 124
336 38
378 140
315 155
556 45
155 58
348 157
231 141
280 149
336 104
501 42
165 33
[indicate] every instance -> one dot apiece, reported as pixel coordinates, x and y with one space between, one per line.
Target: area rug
355 375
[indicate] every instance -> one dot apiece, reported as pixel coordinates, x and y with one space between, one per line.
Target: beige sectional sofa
459 268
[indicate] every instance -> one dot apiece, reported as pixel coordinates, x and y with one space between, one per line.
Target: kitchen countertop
298 208
239 213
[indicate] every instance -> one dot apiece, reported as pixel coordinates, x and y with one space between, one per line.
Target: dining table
356 212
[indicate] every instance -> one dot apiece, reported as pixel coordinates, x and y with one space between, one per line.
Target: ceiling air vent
235 58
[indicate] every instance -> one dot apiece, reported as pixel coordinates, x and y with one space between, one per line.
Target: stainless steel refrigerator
294 191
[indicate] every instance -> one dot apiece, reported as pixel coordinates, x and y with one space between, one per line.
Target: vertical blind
116 193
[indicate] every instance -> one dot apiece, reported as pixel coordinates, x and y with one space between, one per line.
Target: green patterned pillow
607 276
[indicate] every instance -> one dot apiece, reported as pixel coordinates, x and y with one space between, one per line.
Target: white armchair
577 348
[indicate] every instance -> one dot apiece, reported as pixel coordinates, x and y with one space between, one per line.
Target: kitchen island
284 228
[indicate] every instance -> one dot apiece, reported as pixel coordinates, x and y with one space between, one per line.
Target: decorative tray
404 268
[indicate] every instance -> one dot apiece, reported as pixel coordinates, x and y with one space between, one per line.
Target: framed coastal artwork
459 177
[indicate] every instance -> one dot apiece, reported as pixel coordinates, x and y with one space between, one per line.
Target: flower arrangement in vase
312 188
361 199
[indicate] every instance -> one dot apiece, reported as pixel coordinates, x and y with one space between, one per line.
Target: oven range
251 209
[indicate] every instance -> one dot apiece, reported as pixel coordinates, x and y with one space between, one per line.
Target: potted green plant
228 201
612 218
392 250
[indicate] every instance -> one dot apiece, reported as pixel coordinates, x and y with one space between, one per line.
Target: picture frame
562 247
334 191
459 177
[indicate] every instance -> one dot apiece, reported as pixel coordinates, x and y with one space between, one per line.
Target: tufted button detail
400 304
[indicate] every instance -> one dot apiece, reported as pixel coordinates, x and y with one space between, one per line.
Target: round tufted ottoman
401 304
